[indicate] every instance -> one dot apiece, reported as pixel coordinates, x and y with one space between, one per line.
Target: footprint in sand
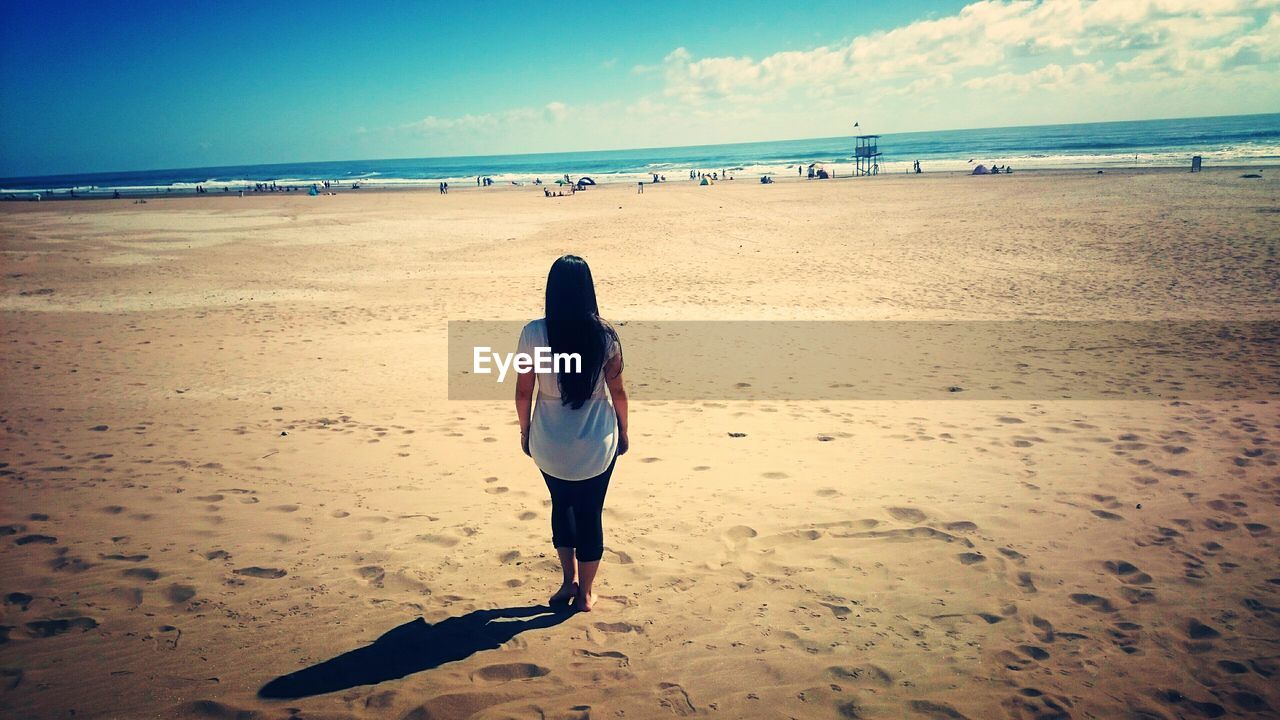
1233 668
840 612
675 698
22 600
775 475
970 558
506 672
1093 602
936 711
339 514
618 627
650 460
36 539
862 674
1127 572
49 628
371 574
178 594
907 514
622 659
1203 709
1034 652
1044 629
284 508
620 557
217 555
69 564
261 572
1137 595
496 490
527 515
1013 555
1197 630
146 574
441 540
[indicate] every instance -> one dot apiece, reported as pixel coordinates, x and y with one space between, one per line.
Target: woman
578 428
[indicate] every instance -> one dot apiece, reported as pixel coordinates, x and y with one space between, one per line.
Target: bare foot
585 601
566 593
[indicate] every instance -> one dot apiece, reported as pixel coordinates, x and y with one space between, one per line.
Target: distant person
640 188
577 429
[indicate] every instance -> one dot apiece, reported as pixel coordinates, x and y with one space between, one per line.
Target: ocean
1230 140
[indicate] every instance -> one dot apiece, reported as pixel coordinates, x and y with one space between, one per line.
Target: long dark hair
574 325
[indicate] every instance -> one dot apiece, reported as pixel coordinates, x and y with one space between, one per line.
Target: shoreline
431 186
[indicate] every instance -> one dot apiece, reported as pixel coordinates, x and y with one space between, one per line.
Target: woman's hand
524 443
624 444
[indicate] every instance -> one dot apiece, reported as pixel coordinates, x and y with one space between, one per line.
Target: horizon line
606 150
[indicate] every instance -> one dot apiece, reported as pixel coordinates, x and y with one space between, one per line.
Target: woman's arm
613 376
524 406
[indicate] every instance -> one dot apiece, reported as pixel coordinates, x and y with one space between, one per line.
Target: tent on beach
981 170
583 182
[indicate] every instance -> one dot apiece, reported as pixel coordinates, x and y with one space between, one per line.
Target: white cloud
1049 77
1082 59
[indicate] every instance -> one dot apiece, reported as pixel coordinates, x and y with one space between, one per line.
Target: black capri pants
575 513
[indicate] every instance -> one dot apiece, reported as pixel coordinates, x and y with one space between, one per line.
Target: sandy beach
234 485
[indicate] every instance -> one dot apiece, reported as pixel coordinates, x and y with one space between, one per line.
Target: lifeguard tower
866 155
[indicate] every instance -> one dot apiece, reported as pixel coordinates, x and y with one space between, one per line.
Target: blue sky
99 86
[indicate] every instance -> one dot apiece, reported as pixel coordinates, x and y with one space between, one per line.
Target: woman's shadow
413 647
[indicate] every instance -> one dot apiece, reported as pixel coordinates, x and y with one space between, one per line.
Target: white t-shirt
566 443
